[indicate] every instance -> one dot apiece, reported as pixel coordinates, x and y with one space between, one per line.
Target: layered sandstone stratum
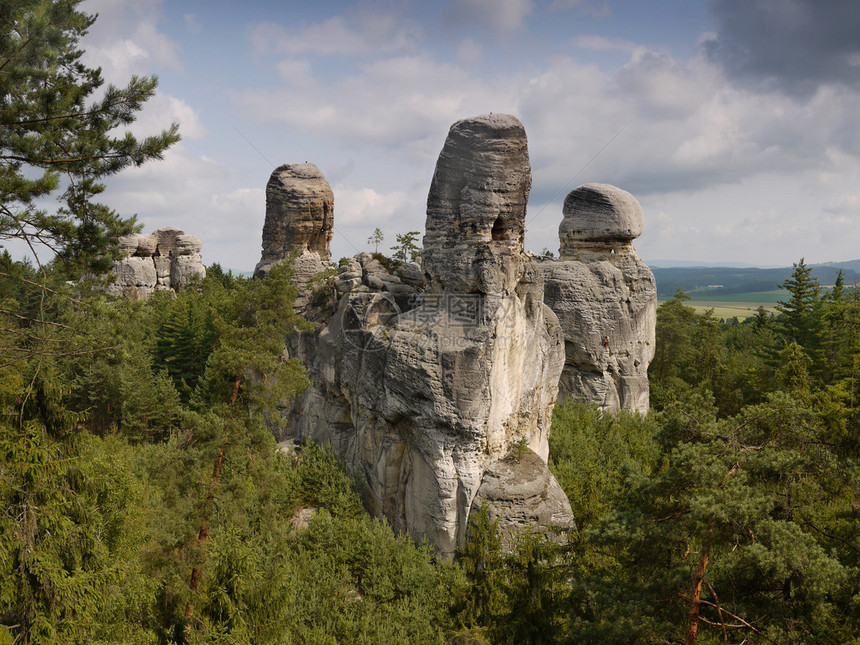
436 382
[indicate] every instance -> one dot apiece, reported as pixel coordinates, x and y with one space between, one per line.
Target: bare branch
719 610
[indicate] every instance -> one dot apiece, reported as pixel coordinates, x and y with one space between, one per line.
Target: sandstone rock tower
605 298
299 222
425 396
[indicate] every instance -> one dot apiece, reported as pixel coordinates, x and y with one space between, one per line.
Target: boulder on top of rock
598 218
166 237
187 245
605 298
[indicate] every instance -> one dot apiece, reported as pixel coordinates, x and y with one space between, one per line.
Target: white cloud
162 110
192 23
399 101
499 15
361 33
125 39
295 72
366 205
596 42
847 203
469 52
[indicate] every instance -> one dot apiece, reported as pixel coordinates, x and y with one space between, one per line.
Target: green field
741 305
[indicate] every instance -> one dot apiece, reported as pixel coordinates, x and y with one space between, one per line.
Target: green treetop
55 138
802 312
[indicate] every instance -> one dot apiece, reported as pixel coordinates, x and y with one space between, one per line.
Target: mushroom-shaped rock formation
425 392
605 298
299 225
598 218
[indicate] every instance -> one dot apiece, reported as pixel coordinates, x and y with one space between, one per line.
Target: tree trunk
236 388
201 538
693 616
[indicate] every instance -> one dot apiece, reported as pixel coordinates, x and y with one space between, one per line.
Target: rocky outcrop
425 376
166 260
475 223
605 298
299 224
520 492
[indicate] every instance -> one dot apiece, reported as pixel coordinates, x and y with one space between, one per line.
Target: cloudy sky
734 122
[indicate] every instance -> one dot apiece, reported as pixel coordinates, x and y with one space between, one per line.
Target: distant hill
677 264
712 282
848 265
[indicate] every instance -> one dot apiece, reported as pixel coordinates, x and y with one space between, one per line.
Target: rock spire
426 392
299 224
605 298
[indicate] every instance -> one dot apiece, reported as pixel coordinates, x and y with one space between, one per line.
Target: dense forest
144 500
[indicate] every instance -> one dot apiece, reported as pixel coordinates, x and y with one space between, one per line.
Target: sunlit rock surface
424 376
605 298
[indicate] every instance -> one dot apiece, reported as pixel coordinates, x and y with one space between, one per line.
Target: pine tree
376 239
742 530
406 249
52 139
185 340
836 342
801 314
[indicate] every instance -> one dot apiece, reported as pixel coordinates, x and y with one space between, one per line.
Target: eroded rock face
423 379
164 260
605 298
519 491
299 223
475 223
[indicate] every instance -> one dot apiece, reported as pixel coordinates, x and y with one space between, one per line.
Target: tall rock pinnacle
605 298
299 224
476 206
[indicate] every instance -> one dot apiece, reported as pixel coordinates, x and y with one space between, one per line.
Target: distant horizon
661 263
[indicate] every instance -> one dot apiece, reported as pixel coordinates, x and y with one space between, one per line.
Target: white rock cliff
423 381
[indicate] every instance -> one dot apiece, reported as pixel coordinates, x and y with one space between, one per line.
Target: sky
733 122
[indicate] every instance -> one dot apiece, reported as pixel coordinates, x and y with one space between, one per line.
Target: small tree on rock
406 249
376 239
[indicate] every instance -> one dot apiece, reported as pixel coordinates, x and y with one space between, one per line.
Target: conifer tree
836 321
54 137
801 314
